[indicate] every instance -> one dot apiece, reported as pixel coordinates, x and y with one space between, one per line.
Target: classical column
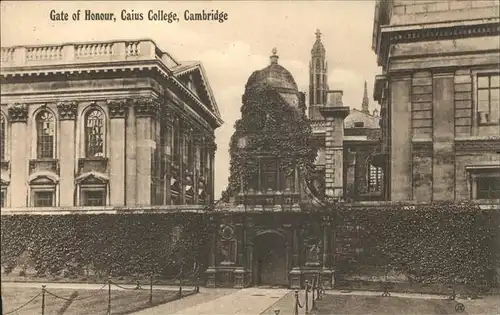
334 113
117 113
212 148
197 171
67 155
167 151
130 158
18 116
183 162
146 112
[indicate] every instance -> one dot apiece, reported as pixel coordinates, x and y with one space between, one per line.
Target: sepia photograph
336 157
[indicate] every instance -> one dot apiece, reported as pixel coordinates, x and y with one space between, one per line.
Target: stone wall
434 11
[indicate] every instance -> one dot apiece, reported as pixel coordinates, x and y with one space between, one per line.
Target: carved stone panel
117 108
44 165
94 164
18 113
67 110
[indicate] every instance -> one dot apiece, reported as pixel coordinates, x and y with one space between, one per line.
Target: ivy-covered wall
123 245
435 243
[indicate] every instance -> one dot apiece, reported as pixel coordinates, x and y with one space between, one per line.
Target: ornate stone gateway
270 249
270 259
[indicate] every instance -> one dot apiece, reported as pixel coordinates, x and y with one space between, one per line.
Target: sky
230 51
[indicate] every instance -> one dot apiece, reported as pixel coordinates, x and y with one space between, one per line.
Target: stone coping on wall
173 209
105 210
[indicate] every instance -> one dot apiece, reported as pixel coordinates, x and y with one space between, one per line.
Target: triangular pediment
92 178
43 178
200 86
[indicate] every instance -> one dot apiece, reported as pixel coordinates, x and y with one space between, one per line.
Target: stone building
439 93
104 125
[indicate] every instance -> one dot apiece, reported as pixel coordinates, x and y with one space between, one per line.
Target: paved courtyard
265 301
251 301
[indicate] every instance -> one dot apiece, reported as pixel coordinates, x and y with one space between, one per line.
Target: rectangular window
359 124
2 198
93 197
43 199
488 99
488 188
269 175
375 178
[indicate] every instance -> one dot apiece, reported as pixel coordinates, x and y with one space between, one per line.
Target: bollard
151 289
43 299
109 296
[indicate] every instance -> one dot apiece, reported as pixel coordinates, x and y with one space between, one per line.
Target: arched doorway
270 260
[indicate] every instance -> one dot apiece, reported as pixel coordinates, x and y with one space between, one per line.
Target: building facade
104 125
439 95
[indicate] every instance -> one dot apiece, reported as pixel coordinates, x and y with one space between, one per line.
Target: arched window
3 132
45 135
94 133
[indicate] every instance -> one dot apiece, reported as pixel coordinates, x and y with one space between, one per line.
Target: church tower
318 78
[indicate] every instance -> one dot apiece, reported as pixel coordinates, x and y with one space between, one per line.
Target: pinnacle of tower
318 48
364 104
318 34
274 57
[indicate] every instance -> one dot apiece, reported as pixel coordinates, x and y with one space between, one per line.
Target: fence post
296 311
151 289
109 296
307 297
180 285
43 299
314 293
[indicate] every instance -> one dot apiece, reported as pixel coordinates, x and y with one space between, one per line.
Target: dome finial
274 57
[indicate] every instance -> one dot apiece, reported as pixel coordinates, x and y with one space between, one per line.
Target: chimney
335 98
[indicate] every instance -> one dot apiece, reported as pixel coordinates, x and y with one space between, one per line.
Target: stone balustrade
78 53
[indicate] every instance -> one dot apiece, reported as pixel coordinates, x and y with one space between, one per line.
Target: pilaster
401 135
117 113
131 157
18 116
443 164
67 115
146 112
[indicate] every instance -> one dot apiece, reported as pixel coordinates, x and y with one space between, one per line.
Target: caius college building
122 125
104 125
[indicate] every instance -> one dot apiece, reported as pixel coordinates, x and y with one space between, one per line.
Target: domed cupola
318 49
278 78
